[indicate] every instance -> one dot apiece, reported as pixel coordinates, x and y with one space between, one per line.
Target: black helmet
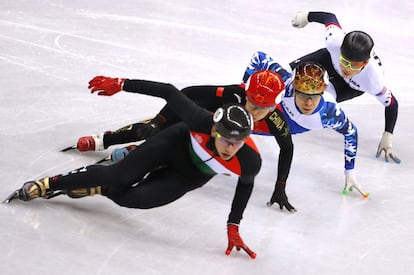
233 121
357 46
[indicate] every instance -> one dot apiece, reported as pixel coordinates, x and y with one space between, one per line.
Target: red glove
106 85
236 241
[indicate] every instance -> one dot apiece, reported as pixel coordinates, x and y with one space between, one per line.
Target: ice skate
91 143
31 190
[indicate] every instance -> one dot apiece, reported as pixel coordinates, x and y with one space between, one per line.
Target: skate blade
55 194
69 148
101 161
12 196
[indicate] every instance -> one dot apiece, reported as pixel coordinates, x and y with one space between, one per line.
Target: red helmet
263 88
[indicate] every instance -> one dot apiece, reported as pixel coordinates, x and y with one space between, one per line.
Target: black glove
279 196
150 128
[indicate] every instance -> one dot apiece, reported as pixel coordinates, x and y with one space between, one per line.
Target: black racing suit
211 98
163 169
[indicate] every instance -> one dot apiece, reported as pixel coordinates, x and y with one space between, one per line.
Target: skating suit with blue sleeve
262 61
326 115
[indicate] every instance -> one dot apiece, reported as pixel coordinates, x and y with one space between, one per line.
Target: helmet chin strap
210 145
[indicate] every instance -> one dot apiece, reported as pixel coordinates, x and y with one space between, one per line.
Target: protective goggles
259 108
354 66
229 141
305 96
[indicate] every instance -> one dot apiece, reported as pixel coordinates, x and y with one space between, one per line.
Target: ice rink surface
49 50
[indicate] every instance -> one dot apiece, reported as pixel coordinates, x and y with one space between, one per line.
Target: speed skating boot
34 189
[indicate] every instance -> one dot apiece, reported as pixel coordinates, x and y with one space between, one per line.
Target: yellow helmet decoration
310 78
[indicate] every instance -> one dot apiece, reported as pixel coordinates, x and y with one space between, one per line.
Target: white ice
49 50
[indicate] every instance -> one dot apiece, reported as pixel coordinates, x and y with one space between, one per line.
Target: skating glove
120 153
351 183
106 85
236 241
279 196
385 146
300 20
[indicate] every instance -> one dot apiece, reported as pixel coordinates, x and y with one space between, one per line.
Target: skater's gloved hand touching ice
279 197
236 241
351 183
385 146
106 85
